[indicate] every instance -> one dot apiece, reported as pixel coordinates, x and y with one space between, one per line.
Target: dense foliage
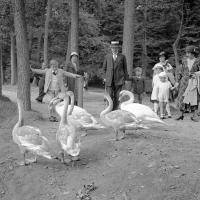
100 22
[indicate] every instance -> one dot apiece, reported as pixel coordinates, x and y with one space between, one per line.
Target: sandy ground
162 163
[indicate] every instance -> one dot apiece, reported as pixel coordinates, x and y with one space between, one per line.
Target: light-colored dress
155 82
162 91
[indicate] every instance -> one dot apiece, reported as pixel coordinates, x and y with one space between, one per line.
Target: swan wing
121 116
139 110
35 144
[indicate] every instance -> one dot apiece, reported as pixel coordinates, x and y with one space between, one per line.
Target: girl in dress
162 92
154 98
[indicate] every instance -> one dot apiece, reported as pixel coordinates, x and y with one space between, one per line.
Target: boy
138 84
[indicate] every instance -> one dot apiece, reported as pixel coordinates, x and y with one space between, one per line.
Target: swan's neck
20 114
130 100
72 104
109 108
20 121
63 120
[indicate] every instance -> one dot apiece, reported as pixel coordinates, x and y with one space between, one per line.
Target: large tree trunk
13 60
128 34
175 45
1 67
144 46
39 46
74 26
46 31
23 90
68 46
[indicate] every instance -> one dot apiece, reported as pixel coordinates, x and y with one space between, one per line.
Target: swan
29 139
118 119
142 112
80 115
67 135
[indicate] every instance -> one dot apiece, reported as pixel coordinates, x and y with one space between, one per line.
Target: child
162 91
157 70
138 84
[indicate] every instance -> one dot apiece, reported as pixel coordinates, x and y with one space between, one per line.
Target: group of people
168 84
165 84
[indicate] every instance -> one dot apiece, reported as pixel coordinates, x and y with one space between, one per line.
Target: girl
162 92
154 98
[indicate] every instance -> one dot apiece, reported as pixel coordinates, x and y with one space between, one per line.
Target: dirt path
162 163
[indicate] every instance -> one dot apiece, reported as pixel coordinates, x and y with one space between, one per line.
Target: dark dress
182 77
71 82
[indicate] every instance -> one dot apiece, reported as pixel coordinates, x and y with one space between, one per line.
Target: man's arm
38 71
68 74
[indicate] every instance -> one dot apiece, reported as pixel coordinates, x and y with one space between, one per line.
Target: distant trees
23 89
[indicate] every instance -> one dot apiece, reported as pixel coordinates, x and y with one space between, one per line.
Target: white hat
114 44
162 74
73 54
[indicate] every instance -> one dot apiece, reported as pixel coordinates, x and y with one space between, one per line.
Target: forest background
158 25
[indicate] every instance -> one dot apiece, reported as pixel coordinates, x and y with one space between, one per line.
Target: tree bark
13 60
144 57
175 45
39 46
128 33
74 26
46 31
1 67
23 90
68 46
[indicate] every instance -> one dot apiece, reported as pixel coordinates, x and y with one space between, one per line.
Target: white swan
142 112
80 115
118 119
67 135
29 139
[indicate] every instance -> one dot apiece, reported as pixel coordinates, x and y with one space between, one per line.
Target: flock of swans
74 121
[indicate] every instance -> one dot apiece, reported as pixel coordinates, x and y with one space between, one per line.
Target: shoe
194 118
162 117
181 117
38 100
169 116
53 119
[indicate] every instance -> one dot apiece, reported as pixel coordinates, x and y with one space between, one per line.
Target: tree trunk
128 34
13 60
74 44
175 45
46 32
23 90
68 46
1 67
144 60
74 26
39 46
30 43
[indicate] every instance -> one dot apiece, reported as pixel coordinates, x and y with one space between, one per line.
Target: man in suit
116 75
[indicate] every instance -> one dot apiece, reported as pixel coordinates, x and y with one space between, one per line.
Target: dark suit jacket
115 71
138 85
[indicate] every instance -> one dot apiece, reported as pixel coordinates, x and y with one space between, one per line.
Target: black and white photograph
100 99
